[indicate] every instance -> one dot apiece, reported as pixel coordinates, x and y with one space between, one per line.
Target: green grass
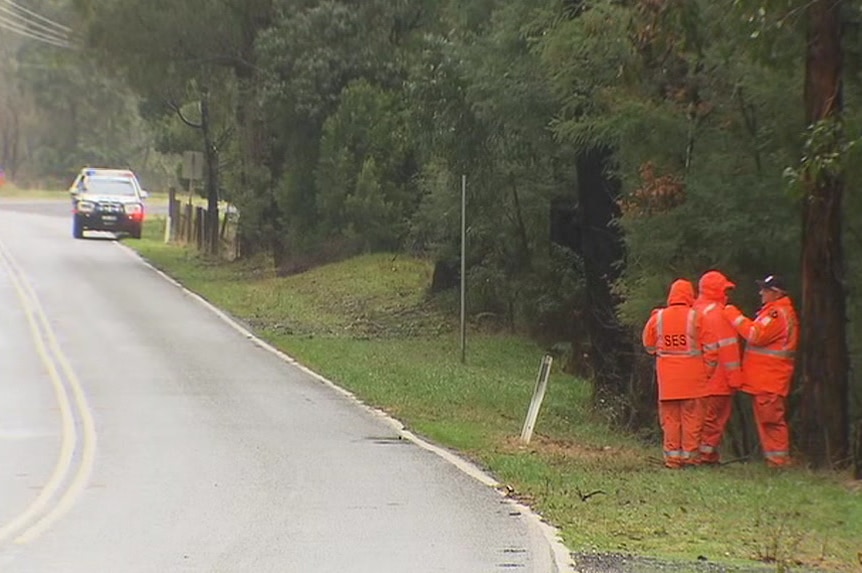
10 191
367 325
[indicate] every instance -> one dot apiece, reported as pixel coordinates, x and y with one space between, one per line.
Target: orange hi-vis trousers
681 422
769 412
716 415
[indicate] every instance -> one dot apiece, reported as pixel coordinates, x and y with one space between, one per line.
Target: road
140 431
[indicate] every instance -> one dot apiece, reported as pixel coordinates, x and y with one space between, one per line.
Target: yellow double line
67 481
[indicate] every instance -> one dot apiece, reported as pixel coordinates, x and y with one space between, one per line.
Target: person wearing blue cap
768 363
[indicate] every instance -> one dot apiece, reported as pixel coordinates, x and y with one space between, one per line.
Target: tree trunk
602 251
824 358
211 178
9 142
524 258
857 453
254 153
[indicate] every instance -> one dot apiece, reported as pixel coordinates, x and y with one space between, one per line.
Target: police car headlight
86 206
134 209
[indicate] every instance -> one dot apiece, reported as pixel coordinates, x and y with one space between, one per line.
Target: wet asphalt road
142 432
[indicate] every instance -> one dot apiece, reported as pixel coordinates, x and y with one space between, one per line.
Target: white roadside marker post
538 396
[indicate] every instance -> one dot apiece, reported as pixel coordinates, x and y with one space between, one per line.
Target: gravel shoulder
624 563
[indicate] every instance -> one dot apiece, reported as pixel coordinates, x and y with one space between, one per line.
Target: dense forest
609 147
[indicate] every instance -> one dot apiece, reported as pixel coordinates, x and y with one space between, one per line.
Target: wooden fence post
172 215
199 227
188 222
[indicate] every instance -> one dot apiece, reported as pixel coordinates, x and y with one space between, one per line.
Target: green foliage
365 172
486 116
48 134
586 56
436 223
308 58
824 155
375 127
771 30
550 298
700 142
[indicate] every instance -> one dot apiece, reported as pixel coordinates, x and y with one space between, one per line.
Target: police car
107 200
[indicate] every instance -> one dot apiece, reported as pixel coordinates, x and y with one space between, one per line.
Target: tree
174 54
825 361
698 147
364 176
58 111
583 65
824 364
311 54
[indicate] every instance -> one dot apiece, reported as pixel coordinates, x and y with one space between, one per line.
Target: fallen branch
585 496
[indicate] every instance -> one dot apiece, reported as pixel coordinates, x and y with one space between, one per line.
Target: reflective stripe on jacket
684 354
728 375
771 350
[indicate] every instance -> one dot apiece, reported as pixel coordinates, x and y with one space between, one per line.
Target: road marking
39 515
559 556
69 433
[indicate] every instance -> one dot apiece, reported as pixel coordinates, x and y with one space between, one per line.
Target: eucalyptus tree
582 61
825 367
852 219
813 31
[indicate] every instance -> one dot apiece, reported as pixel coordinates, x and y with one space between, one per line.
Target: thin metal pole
463 269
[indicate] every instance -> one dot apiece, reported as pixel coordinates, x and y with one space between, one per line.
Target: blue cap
773 282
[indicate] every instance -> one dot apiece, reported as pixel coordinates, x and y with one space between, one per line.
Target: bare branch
175 107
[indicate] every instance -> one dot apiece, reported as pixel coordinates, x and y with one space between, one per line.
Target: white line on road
559 557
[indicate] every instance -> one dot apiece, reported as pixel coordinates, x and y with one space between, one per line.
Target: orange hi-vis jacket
711 300
685 354
769 356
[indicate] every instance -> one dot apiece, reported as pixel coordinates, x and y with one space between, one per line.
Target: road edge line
559 553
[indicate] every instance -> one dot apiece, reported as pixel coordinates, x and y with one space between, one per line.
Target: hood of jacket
713 287
681 292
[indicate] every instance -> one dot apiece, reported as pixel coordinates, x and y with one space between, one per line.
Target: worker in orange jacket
767 364
685 360
712 297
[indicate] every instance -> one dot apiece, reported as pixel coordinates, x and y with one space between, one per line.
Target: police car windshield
110 186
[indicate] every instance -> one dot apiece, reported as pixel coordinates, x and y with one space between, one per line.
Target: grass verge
10 191
367 325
